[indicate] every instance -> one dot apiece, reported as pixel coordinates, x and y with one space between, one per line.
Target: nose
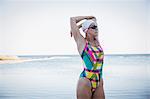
96 29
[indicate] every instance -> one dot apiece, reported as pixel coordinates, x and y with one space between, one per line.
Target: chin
96 34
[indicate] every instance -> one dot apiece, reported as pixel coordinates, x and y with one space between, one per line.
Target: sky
42 27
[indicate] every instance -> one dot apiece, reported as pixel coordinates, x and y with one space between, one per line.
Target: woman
90 84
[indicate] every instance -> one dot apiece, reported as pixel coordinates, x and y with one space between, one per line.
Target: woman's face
93 30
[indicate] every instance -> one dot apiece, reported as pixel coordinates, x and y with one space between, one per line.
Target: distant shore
7 59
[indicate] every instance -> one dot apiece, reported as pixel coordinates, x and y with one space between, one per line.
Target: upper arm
76 32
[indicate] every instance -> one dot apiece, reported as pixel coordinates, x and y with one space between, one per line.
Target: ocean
56 76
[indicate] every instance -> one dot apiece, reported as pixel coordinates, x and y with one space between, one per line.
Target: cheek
91 31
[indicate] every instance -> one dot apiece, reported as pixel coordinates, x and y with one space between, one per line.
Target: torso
94 53
92 57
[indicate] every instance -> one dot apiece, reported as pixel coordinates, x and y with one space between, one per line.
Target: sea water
56 76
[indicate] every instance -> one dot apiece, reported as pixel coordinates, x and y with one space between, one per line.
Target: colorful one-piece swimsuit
93 64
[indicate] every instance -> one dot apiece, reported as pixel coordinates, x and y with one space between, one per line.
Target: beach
9 59
55 77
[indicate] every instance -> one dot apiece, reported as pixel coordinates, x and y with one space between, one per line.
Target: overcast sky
42 27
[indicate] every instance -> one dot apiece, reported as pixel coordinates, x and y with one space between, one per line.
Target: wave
49 58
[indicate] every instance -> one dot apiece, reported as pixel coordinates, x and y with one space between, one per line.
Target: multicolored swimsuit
93 60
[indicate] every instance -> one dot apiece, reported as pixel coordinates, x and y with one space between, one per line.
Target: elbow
72 19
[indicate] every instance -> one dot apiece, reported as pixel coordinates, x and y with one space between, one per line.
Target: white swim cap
86 24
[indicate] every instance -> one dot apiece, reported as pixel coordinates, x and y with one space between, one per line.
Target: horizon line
78 54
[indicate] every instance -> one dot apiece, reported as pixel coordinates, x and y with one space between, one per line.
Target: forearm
79 18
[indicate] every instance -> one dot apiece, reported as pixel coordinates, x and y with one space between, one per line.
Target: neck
93 40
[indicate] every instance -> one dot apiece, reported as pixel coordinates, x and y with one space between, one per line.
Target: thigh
84 89
99 92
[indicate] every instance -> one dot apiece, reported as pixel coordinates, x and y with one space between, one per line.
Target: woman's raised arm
75 28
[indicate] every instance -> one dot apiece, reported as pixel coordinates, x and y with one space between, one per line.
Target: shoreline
8 59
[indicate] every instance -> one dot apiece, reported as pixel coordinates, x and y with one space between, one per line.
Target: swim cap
86 24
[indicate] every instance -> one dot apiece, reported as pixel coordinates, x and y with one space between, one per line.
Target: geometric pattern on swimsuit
93 64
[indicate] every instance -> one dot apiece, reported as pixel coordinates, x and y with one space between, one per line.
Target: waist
93 71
